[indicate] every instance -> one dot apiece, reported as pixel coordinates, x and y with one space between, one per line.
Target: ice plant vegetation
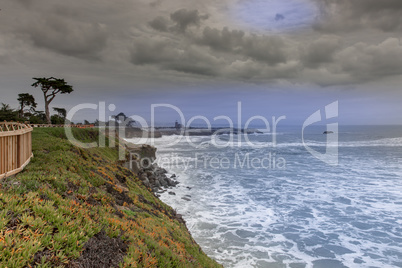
69 199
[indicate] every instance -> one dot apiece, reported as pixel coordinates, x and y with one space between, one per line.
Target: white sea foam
306 213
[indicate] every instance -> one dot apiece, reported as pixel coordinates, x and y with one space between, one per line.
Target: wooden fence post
15 147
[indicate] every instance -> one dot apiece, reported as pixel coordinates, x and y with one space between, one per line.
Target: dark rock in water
162 171
163 182
143 177
141 162
328 132
170 182
179 217
173 176
172 193
186 198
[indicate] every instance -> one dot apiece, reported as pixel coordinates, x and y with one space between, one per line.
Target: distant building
177 125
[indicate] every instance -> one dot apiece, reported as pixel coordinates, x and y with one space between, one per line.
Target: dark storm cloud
27 3
236 54
269 49
320 51
63 29
349 15
185 18
215 53
178 21
209 51
172 55
279 17
178 40
77 39
372 62
159 24
225 40
155 3
356 64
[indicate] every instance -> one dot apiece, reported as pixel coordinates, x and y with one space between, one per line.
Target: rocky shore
141 158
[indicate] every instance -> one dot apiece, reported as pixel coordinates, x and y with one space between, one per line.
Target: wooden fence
47 125
15 148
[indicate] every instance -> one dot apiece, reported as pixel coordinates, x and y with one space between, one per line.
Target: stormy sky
277 57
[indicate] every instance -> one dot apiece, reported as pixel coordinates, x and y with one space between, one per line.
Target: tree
38 117
60 111
122 119
7 114
60 117
51 87
26 100
57 119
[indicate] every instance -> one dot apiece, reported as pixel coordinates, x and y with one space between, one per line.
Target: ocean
253 204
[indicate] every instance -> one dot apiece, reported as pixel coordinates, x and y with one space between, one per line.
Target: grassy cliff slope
75 207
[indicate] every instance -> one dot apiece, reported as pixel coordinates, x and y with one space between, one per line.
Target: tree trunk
47 112
22 111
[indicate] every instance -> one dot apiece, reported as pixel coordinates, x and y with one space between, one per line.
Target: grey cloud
320 51
268 49
279 17
215 53
149 51
178 21
78 39
224 40
26 3
198 69
159 24
358 63
170 55
252 70
347 15
156 3
185 18
64 29
371 62
182 43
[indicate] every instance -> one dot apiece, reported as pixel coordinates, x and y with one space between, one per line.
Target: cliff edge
75 207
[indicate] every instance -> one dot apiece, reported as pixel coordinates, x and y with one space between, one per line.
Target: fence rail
15 147
51 125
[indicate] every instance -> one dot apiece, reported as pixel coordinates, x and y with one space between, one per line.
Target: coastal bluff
80 207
